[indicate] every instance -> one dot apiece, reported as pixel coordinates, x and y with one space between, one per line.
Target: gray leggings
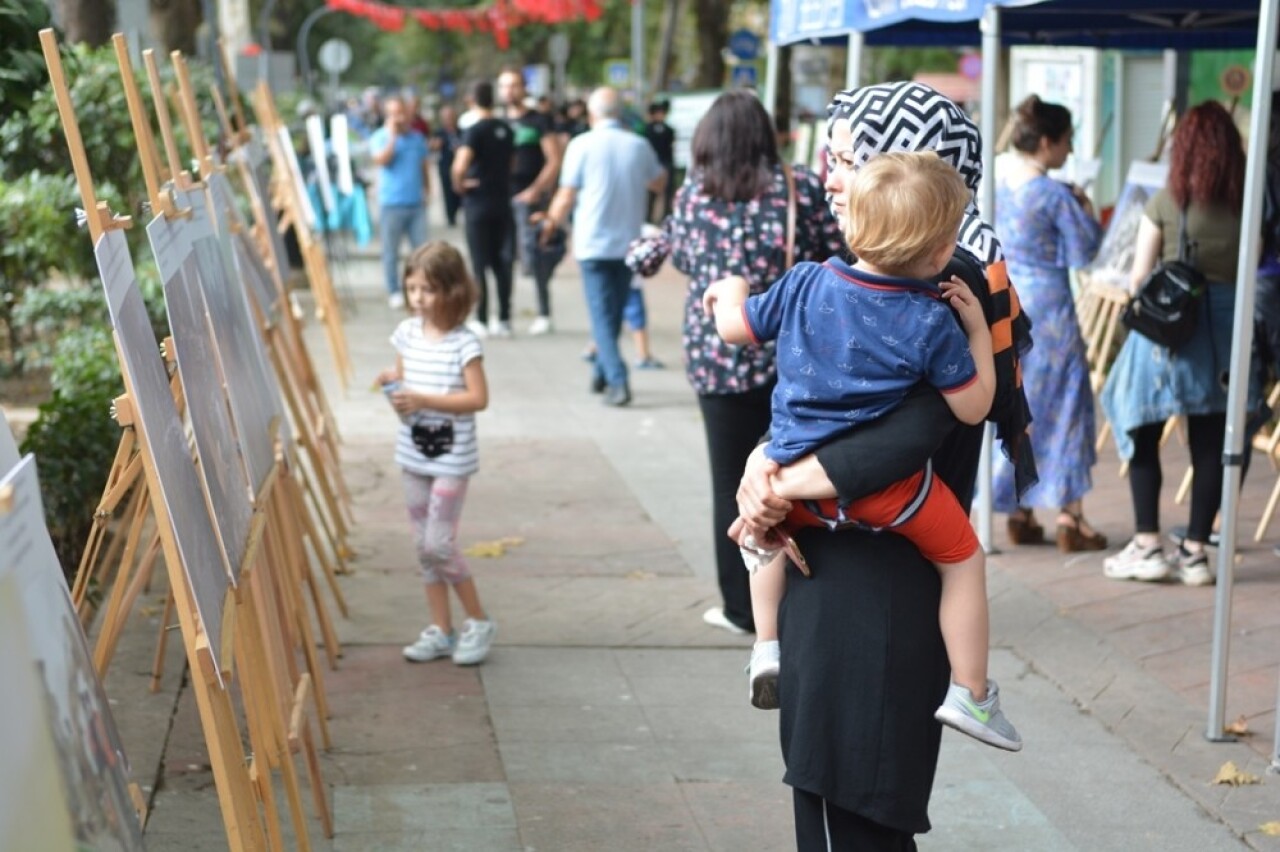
435 505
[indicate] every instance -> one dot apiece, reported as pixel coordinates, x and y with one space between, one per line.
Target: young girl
436 387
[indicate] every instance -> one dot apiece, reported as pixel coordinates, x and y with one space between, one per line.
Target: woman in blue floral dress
1047 227
730 218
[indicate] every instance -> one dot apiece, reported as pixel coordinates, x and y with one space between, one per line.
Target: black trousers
734 424
824 827
1204 436
487 227
452 201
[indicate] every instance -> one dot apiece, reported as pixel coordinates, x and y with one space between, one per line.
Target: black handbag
1166 306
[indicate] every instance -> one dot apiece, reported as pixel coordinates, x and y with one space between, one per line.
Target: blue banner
798 20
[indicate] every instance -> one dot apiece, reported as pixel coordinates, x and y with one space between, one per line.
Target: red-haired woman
1149 383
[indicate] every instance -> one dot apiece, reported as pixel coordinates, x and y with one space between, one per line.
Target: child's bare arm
972 404
724 299
391 374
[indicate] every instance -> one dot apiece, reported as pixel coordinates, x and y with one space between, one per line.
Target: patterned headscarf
913 117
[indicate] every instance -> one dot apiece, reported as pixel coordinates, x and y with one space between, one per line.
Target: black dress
863 662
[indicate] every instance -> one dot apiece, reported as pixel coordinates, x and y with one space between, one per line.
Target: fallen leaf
493 549
1270 828
1239 728
640 575
1230 774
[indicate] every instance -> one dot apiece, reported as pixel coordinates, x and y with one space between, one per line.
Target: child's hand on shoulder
961 298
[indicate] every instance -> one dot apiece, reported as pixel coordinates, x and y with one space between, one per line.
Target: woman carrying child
437 386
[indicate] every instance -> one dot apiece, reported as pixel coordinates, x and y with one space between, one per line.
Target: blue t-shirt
400 180
849 346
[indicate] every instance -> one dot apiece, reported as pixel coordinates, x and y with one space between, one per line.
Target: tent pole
1241 344
987 206
853 61
771 79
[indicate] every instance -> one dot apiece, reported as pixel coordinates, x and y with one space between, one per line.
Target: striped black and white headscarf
913 117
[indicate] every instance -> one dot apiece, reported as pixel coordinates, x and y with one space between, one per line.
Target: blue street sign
743 76
744 44
617 72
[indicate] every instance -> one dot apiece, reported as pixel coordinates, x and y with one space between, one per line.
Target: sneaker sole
415 659
972 727
1146 574
1195 578
764 691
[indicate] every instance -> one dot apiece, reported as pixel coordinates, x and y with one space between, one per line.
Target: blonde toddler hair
902 207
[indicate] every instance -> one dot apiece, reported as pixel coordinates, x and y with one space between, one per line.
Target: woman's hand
760 507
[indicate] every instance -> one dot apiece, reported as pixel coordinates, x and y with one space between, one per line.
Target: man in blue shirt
607 173
404 183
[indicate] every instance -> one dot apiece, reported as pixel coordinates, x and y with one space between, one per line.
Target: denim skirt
1148 383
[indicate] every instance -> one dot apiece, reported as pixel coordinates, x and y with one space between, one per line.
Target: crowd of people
846 338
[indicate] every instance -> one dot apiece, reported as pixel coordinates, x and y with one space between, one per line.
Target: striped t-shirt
435 367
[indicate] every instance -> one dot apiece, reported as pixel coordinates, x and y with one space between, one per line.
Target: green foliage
21 62
50 317
75 439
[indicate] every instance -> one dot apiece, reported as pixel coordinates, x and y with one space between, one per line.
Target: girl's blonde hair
902 207
444 269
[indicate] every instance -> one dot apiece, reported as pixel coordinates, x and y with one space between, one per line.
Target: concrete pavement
610 717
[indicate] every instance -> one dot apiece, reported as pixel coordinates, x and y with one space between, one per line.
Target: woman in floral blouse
730 218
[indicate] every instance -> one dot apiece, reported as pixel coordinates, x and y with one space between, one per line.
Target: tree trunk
174 24
662 72
88 21
713 36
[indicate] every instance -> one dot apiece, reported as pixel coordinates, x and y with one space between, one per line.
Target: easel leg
298 513
157 663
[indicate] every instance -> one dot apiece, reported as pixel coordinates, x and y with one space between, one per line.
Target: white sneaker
541 325
473 644
477 328
432 644
396 301
762 674
1192 569
716 618
498 328
1136 562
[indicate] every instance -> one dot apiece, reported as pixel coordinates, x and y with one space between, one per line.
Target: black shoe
617 395
598 384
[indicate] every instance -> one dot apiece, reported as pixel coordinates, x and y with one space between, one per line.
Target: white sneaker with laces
477 328
498 328
762 674
474 642
395 301
716 618
1136 562
432 643
541 325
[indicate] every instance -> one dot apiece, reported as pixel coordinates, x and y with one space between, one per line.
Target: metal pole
637 53
771 79
1241 344
987 207
304 58
264 39
853 62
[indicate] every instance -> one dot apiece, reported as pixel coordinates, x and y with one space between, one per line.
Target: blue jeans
607 284
399 222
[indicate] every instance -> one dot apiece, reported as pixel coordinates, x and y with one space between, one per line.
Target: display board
90 759
222 464
320 162
8 446
161 432
1114 259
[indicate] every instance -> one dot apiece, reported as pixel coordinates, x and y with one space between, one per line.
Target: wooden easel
328 311
241 819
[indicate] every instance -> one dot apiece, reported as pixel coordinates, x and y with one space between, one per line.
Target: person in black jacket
863 662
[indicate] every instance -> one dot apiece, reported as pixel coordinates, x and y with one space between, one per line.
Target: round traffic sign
335 56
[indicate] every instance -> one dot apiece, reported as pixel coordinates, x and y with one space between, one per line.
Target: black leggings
1205 435
487 226
734 424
